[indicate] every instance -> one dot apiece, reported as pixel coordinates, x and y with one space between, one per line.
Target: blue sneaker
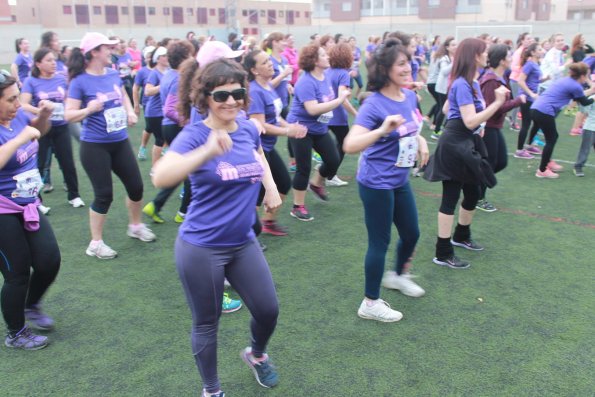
264 371
316 157
26 340
142 153
230 305
538 142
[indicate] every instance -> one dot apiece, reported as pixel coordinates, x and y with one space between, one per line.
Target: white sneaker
43 209
101 251
143 233
76 202
336 181
402 283
380 311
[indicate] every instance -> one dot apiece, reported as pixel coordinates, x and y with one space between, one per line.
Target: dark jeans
497 153
587 143
547 124
21 251
325 146
382 210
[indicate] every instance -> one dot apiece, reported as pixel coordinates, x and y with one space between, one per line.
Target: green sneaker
149 210
230 305
179 218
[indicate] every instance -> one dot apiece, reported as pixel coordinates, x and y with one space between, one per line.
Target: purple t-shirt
309 88
109 124
460 94
266 102
552 100
19 178
371 48
590 61
381 165
154 106
140 80
224 189
532 72
122 65
338 78
414 69
281 89
168 93
61 68
53 89
24 64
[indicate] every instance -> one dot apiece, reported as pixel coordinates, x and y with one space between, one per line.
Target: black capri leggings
451 191
99 160
547 124
325 146
340 132
20 251
280 175
153 126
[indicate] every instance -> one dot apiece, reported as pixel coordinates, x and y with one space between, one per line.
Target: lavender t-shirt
53 89
309 88
24 64
552 100
109 124
532 72
140 80
338 78
266 102
19 178
281 89
168 91
460 94
154 107
224 189
123 65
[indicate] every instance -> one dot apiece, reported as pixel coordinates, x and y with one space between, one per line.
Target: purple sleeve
153 78
367 116
463 94
306 91
186 140
139 79
27 86
527 68
344 79
256 104
170 107
75 90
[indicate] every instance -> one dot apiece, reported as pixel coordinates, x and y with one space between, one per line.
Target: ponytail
186 92
77 62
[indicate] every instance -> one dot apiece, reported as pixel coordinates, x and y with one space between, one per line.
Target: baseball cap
147 50
160 51
93 40
213 50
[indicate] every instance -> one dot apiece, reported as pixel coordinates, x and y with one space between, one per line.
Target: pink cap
93 40
213 50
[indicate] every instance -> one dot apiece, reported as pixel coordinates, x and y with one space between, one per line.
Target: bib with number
28 184
325 118
407 151
58 113
278 107
115 119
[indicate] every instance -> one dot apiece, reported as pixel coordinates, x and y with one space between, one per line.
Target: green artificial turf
519 322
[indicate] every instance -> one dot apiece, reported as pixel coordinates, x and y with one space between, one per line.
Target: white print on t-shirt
278 107
115 95
58 113
54 96
28 184
115 118
407 151
229 172
325 118
27 152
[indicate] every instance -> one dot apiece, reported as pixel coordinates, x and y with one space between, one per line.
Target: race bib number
58 113
278 107
28 184
115 118
325 118
407 152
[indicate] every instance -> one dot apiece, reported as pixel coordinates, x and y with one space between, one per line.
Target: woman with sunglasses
96 97
266 107
313 106
46 83
27 241
222 156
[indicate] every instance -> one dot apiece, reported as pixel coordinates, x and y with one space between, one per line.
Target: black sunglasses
222 96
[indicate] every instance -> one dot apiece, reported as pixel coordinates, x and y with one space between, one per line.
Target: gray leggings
201 272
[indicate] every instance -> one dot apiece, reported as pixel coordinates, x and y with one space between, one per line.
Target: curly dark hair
341 56
178 52
382 61
308 57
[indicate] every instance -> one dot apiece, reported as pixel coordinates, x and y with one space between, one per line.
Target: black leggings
525 125
547 124
153 126
20 251
58 138
451 191
497 153
280 175
99 160
439 113
433 111
340 132
325 146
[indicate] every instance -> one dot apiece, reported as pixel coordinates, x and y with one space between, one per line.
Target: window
96 10
263 13
272 17
140 15
13 18
212 12
190 12
124 10
297 14
67 10
151 10
178 14
281 14
289 17
244 14
201 16
82 14
166 11
222 16
33 11
346 7
254 31
111 15
306 14
253 17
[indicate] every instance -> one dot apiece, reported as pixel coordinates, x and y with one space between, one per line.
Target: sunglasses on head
3 75
222 96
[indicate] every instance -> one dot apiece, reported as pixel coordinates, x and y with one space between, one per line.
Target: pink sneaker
552 165
523 154
549 174
533 150
576 131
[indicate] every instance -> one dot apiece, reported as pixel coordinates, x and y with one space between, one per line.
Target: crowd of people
215 112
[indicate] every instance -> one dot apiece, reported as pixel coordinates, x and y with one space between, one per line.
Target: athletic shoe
533 150
454 262
467 244
292 167
38 319
230 305
552 165
43 209
485 206
380 311
316 157
436 135
218 394
576 132
578 172
47 188
76 202
515 127
142 153
101 250
141 232
273 228
301 213
523 154
263 247
319 192
404 284
26 340
179 218
152 213
538 142
548 174
264 371
336 181
164 150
